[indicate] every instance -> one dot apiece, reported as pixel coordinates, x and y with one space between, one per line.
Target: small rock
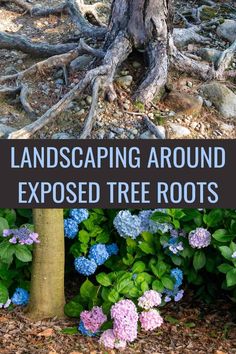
179 131
184 104
193 125
81 111
126 106
211 55
111 135
227 127
118 130
101 134
227 30
147 135
136 64
83 103
223 98
190 84
89 99
5 131
59 82
125 81
80 63
207 103
162 131
62 136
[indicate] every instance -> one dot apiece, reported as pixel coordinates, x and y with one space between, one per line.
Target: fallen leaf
46 333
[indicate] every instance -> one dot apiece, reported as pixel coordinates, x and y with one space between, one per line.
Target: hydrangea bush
130 263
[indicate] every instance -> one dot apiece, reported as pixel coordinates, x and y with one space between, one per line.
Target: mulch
189 327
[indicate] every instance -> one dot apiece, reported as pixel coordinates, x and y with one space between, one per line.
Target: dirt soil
189 327
113 120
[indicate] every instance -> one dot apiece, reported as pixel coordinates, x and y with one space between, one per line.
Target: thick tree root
18 42
113 58
26 105
127 30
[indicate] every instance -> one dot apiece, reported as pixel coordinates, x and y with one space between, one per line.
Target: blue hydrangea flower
173 245
71 228
85 331
112 249
176 295
177 274
98 253
153 226
79 215
20 297
85 266
234 255
127 225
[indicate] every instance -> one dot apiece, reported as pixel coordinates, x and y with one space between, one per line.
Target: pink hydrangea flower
93 319
150 320
149 299
125 316
109 340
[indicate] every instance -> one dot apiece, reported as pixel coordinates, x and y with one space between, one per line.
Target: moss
140 106
159 119
208 13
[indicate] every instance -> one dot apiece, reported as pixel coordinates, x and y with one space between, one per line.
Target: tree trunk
47 282
145 24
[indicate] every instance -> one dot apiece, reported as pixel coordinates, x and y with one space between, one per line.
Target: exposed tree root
18 42
152 127
9 91
26 105
133 24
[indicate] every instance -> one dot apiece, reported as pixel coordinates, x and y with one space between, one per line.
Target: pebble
147 135
89 99
62 136
179 131
136 64
111 135
125 81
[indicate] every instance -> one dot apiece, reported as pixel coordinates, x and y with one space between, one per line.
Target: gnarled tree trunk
47 281
133 24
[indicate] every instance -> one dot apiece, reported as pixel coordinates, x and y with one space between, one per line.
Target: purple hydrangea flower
6 305
109 340
125 316
149 299
199 238
85 331
23 236
93 319
179 295
234 255
150 320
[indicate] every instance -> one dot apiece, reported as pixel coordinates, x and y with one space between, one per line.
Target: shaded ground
188 328
113 121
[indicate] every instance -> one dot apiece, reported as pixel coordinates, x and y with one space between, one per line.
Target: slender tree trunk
47 282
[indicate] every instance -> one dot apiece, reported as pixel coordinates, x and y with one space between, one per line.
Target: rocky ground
191 110
189 327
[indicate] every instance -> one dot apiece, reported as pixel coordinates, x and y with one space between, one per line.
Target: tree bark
47 297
